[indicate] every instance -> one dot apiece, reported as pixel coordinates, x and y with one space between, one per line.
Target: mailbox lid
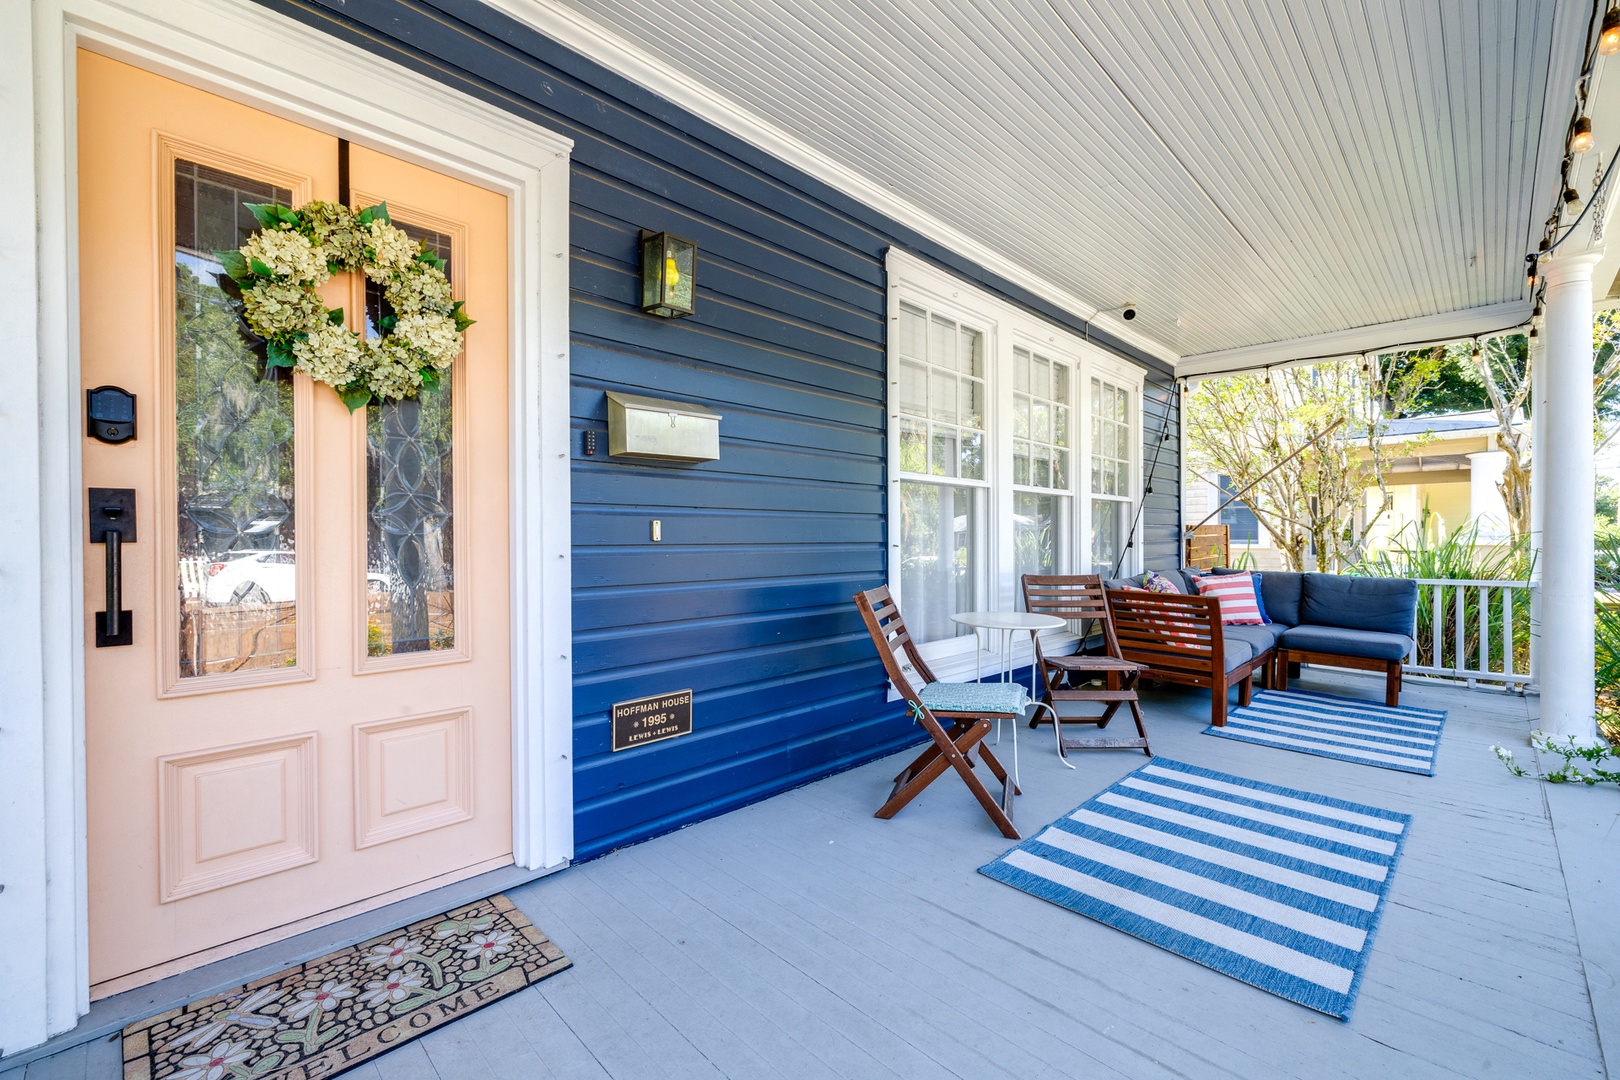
648 427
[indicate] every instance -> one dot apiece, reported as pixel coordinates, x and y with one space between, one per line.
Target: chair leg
1246 689
928 765
1141 729
1281 665
1392 684
1217 704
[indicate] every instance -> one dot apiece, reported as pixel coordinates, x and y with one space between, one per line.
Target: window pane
970 355
942 397
913 389
1020 462
1106 524
1041 467
1040 523
913 446
1060 383
972 404
1041 421
1021 370
1060 470
913 332
972 456
939 530
1020 416
1060 425
942 343
234 444
943 462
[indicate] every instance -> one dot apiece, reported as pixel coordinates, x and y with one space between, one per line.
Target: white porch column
1485 504
1564 471
1537 358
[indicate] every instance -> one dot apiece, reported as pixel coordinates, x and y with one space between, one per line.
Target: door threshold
110 1015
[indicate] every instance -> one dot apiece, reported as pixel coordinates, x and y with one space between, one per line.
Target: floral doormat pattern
326 1016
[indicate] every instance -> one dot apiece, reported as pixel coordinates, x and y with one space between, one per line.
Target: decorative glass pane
939 553
410 548
237 567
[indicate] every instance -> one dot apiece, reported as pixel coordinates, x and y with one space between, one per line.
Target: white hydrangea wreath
296 250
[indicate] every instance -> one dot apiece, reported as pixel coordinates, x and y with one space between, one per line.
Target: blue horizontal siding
747 600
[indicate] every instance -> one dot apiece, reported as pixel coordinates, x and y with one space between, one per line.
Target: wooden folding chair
968 707
1080 598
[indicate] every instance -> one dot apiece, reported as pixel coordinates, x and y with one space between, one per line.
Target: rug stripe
1404 738
1282 875
1359 867
1282 889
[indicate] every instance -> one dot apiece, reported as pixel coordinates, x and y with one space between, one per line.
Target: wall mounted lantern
668 274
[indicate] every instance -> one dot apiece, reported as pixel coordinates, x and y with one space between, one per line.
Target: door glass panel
410 549
234 444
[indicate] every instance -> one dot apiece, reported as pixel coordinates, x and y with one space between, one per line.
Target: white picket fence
1469 632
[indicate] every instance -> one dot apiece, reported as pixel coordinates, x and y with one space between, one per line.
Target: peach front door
313 713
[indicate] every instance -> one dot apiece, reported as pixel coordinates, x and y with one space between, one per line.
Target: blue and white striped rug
1282 889
1403 738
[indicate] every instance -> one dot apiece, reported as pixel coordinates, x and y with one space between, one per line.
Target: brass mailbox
644 427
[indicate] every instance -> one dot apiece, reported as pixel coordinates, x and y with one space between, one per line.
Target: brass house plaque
650 719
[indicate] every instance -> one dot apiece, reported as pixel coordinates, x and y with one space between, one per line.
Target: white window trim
1005 326
245 52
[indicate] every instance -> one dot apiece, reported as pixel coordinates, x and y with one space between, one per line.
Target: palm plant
1460 557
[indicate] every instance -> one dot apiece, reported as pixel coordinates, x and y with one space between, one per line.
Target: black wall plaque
649 719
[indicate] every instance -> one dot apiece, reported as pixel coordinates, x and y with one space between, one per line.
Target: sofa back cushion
1387 605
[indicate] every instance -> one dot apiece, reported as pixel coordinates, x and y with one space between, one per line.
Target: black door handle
112 522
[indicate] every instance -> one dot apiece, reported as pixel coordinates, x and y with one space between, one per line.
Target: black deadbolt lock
112 413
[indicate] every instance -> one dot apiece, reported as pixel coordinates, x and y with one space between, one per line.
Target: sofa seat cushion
1258 637
1371 644
1238 652
1386 605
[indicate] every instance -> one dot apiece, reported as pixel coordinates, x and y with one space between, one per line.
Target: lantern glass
668 275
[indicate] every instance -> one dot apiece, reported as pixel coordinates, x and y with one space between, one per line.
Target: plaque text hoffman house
649 719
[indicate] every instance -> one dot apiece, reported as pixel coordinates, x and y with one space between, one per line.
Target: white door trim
241 51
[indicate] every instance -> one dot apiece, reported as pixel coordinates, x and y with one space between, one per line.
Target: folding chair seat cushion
976 698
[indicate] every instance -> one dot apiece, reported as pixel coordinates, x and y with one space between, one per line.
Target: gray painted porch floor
801 937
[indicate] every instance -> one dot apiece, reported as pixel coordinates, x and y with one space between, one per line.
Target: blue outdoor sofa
1330 619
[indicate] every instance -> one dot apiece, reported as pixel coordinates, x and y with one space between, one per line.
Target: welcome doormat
328 1015
1401 737
1281 889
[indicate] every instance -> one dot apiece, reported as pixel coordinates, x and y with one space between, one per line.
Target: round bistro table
1007 624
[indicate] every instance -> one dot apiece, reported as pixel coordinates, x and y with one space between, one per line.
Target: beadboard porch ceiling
1264 180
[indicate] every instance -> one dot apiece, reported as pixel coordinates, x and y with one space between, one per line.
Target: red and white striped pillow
1239 605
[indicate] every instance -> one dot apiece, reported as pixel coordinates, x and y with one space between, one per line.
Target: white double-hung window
1015 449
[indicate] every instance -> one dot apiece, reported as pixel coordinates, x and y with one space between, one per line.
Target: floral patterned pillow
1157 582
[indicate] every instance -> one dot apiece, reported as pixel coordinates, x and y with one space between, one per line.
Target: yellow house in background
1447 480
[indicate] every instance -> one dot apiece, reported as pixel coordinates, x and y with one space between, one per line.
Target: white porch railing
1474 631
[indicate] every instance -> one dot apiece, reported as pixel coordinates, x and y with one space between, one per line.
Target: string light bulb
1572 200
1609 36
1530 271
1580 137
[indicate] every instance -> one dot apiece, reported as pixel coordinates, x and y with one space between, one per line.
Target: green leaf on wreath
387 323
235 265
334 316
278 354
259 267
431 379
429 258
267 214
354 396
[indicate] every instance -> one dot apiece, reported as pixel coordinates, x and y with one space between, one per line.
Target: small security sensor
1128 314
